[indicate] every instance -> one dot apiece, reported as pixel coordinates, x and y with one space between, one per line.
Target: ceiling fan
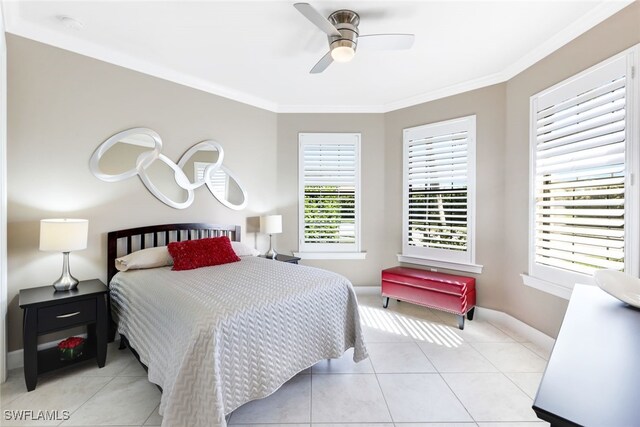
342 30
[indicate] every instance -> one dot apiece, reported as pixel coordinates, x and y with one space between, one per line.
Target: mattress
217 337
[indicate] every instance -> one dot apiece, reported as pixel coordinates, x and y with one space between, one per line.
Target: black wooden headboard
123 242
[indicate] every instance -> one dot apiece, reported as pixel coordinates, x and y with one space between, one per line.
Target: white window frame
560 282
329 250
442 258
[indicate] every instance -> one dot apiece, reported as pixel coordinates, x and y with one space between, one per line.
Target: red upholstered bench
447 292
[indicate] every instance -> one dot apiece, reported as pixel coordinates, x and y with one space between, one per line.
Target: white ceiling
261 52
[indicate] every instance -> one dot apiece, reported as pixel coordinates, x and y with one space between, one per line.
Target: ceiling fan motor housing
346 22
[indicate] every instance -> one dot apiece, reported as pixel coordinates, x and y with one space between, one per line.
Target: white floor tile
343 365
542 352
406 344
421 398
273 425
353 425
481 331
347 398
154 419
513 334
435 425
64 394
398 358
13 387
511 357
463 358
124 401
491 397
290 404
531 424
133 369
528 382
379 334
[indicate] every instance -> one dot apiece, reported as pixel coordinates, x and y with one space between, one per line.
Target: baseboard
367 290
15 359
524 332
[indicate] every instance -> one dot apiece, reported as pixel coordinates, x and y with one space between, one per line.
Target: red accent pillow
192 254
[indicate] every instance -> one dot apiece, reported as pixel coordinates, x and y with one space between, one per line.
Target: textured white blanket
217 337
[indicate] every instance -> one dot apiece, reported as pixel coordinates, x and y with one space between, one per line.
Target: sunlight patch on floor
419 329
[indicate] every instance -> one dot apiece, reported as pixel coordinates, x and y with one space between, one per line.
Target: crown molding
25 29
17 26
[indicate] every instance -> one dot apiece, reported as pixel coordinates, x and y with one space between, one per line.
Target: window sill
330 255
469 268
548 287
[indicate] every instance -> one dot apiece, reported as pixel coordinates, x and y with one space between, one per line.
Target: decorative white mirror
137 152
226 188
165 180
119 157
199 160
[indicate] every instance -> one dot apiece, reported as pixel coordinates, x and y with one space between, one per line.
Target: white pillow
243 250
145 258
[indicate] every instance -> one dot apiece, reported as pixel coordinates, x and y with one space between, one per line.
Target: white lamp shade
271 224
63 235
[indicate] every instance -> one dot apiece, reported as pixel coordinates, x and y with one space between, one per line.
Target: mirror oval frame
180 178
210 143
148 157
223 200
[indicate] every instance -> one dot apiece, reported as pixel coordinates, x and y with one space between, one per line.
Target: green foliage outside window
329 214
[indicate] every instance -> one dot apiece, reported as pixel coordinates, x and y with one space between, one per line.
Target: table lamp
271 224
64 235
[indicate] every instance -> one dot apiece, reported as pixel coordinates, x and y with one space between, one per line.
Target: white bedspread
217 337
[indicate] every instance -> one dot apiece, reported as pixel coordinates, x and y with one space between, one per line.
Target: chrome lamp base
66 282
271 253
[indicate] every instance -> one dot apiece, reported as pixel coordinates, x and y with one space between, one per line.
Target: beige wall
618 33
61 107
488 106
372 147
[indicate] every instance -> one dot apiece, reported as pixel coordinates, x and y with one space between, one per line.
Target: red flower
71 342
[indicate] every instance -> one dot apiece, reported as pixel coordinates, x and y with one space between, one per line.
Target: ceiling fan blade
322 65
385 41
317 19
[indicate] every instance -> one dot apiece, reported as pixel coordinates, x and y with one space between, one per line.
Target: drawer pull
62 316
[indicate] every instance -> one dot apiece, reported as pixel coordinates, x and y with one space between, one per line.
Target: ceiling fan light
343 53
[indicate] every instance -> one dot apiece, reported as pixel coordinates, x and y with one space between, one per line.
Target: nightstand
46 311
285 258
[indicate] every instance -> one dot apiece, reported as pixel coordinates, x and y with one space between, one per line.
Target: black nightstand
46 310
285 258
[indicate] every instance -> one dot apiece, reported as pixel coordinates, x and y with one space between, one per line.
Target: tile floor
422 372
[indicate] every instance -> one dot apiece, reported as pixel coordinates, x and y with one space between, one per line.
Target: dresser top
592 377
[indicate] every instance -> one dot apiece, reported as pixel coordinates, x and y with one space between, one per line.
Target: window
439 194
329 185
584 150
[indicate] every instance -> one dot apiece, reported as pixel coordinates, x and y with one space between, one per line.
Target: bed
217 337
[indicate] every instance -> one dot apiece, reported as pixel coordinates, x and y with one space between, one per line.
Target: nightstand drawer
65 315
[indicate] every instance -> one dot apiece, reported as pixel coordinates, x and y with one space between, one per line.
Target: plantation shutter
437 179
330 177
579 190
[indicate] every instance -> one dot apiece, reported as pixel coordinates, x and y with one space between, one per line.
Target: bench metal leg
385 302
460 322
470 313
